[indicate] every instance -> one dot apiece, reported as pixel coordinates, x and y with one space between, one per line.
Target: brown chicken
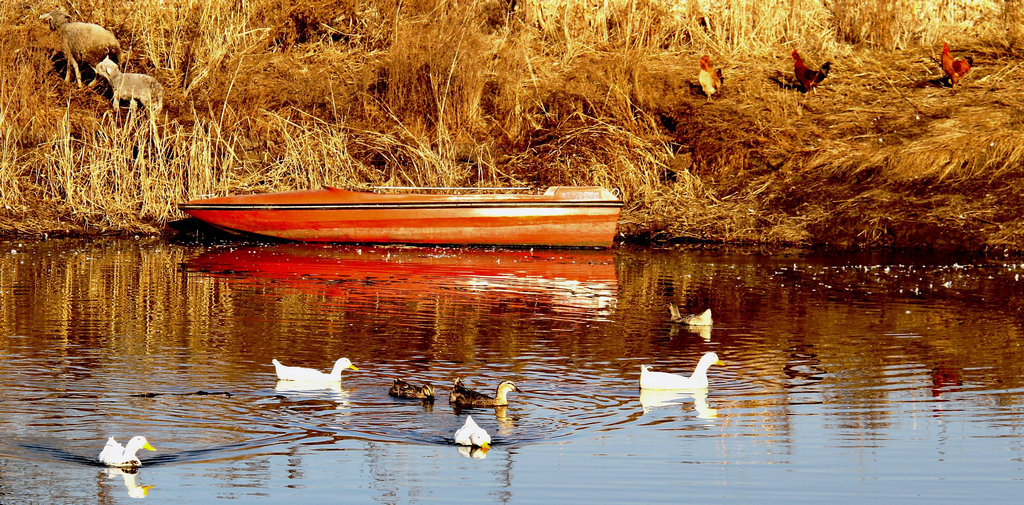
809 78
710 77
955 69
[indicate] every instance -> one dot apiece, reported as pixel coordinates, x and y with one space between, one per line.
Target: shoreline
189 231
881 155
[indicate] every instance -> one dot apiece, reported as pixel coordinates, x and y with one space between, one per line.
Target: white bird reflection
652 398
321 389
472 452
703 331
130 482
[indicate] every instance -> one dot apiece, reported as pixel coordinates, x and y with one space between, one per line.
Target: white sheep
140 88
82 42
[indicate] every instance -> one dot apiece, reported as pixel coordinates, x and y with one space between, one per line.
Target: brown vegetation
265 95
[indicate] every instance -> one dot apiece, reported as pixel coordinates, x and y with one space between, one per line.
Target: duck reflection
506 424
129 475
704 332
472 452
653 398
305 390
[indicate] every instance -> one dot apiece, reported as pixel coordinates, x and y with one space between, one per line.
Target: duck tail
673 312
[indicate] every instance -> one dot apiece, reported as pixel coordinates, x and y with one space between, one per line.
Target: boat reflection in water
572 280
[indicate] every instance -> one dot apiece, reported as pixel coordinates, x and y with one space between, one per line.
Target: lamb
85 42
140 88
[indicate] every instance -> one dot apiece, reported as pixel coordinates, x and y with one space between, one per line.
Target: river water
846 378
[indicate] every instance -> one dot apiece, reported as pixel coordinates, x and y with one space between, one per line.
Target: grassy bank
266 95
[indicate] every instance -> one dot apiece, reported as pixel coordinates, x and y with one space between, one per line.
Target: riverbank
353 94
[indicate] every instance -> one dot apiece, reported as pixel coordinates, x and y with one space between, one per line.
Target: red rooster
955 69
809 78
710 78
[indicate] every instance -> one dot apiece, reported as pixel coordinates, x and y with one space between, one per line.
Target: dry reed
267 95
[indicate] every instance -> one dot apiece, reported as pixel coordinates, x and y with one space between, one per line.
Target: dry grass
265 95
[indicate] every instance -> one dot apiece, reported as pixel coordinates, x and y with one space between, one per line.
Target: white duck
114 454
661 380
294 373
702 319
472 435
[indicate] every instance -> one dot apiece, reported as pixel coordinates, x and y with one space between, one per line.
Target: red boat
563 216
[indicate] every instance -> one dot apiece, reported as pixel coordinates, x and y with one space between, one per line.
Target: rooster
710 78
955 69
809 78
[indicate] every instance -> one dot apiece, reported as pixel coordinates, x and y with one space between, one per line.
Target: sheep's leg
78 73
95 77
70 68
67 64
72 64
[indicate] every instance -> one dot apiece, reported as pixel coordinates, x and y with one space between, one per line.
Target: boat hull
561 217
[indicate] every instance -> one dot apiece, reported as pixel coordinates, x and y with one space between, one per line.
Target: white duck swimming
294 373
114 454
473 435
661 380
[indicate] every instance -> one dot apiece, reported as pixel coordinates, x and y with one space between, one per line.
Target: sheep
140 88
82 42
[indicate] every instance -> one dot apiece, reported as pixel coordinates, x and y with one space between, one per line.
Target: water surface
847 378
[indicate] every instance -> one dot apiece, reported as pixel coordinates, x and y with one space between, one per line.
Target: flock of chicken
710 78
470 434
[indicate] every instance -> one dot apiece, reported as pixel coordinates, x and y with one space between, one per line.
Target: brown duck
461 396
702 319
403 389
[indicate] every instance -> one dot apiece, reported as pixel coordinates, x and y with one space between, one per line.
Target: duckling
114 454
472 435
294 373
661 380
702 319
461 396
403 389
